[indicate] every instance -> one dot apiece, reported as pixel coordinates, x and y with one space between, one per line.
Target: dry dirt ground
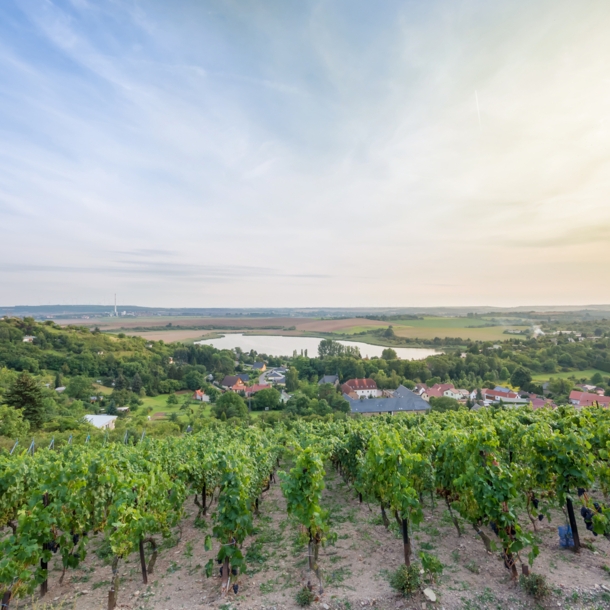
354 569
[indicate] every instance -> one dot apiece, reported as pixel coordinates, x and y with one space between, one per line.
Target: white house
361 388
29 339
104 422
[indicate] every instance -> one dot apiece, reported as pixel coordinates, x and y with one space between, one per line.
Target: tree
597 378
329 348
292 378
26 394
79 388
444 403
12 423
230 405
560 387
57 380
389 333
521 377
504 374
388 353
266 400
111 408
136 384
172 400
194 380
120 383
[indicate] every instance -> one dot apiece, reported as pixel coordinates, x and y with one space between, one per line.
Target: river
275 345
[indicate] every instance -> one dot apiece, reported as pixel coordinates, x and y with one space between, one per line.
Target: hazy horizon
313 154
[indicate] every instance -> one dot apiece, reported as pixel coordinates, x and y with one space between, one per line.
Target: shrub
405 580
305 597
431 565
534 585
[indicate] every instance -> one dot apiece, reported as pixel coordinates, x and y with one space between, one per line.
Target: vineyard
496 483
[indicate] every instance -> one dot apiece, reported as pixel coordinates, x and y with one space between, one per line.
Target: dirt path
354 569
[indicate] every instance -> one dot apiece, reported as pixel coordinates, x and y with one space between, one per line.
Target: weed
405 580
338 576
304 597
188 549
431 565
267 587
473 567
455 555
255 554
101 583
427 546
536 586
173 567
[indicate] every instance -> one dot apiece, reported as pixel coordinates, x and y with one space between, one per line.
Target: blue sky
324 153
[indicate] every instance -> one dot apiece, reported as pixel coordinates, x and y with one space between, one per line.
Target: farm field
427 328
171 336
354 569
578 375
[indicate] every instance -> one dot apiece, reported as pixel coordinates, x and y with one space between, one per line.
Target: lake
275 345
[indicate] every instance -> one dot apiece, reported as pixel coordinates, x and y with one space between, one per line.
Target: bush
405 580
534 585
431 565
305 597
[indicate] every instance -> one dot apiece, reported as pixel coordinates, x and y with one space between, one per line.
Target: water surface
276 345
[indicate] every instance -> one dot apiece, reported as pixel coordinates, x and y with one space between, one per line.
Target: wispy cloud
317 153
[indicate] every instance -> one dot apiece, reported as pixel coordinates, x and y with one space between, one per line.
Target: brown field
428 328
160 321
169 336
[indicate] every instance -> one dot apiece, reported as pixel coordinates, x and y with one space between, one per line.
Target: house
103 422
29 339
361 388
285 397
409 402
253 389
588 399
276 377
200 395
438 390
591 388
259 366
421 390
334 379
495 396
60 389
244 377
123 409
233 383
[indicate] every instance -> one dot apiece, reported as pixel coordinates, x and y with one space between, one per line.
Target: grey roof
402 392
258 365
411 402
329 379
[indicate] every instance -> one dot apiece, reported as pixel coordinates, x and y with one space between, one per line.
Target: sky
304 153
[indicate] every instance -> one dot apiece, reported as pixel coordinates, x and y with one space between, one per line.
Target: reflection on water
274 345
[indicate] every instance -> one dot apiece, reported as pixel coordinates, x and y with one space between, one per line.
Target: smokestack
116 315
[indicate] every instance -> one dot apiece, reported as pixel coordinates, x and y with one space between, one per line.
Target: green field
429 328
578 375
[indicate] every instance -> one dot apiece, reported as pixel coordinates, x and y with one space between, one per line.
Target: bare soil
354 570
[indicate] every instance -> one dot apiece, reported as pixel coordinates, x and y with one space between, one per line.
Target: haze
323 153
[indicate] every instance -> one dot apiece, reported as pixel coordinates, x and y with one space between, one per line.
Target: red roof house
588 399
253 389
361 388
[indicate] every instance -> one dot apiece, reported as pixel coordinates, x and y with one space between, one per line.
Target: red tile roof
361 384
253 389
588 399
